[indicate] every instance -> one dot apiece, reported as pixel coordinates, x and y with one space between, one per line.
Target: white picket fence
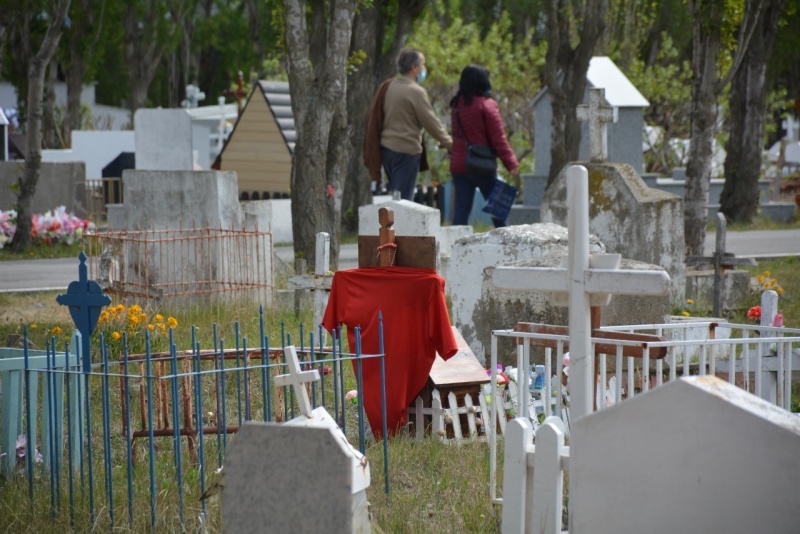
763 357
447 420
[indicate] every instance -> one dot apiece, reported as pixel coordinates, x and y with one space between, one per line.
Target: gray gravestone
163 140
282 478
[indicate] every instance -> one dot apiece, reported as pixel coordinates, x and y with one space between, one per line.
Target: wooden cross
239 93
320 281
297 379
597 114
387 249
583 280
85 299
721 261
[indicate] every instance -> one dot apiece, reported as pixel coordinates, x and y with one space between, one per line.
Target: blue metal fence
184 405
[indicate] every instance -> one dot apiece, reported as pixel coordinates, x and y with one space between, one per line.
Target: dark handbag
481 159
500 200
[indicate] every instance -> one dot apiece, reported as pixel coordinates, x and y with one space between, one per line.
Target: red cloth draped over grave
416 326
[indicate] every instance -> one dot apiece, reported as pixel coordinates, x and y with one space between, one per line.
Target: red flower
754 313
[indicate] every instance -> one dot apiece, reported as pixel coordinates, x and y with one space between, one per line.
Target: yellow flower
104 316
115 335
151 327
780 291
766 273
760 279
686 313
172 322
162 327
55 331
34 326
159 318
119 308
689 302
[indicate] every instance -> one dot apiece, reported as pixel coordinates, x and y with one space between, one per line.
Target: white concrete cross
597 114
791 125
297 379
320 282
590 280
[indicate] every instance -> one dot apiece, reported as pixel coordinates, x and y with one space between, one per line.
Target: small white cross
297 379
791 125
597 114
589 281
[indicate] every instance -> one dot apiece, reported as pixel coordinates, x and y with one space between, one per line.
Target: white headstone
694 455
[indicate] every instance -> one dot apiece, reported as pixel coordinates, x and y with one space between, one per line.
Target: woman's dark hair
474 81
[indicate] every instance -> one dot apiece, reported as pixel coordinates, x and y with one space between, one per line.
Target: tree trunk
75 75
33 159
317 81
368 36
707 38
740 194
565 74
49 122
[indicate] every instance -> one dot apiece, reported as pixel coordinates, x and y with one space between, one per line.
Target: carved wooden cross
597 114
297 379
589 280
721 261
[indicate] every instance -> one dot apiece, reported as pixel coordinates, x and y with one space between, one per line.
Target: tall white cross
597 114
791 125
589 280
297 379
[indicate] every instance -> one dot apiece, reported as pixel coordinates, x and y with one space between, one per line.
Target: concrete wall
694 455
60 184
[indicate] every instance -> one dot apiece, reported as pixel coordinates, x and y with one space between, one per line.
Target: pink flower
777 320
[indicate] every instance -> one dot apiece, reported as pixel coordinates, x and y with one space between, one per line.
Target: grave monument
302 476
630 218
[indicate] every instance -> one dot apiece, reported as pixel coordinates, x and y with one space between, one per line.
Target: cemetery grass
434 487
42 251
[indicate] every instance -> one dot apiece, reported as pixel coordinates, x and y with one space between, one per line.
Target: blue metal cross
85 299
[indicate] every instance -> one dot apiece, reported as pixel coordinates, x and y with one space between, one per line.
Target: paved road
41 275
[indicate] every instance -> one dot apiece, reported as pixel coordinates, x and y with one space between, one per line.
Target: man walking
399 112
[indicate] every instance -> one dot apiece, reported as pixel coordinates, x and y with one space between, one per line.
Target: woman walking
476 120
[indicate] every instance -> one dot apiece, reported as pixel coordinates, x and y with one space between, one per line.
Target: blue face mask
421 76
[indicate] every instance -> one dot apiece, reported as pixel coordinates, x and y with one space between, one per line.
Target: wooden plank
419 416
438 429
456 417
473 429
412 251
637 351
462 369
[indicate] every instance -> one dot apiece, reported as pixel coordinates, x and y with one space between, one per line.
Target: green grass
41 251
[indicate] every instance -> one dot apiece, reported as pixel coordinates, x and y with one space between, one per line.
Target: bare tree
566 68
710 29
33 159
748 101
317 61
83 36
369 37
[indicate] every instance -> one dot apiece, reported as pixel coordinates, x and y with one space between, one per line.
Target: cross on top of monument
597 114
791 125
584 278
297 379
239 93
